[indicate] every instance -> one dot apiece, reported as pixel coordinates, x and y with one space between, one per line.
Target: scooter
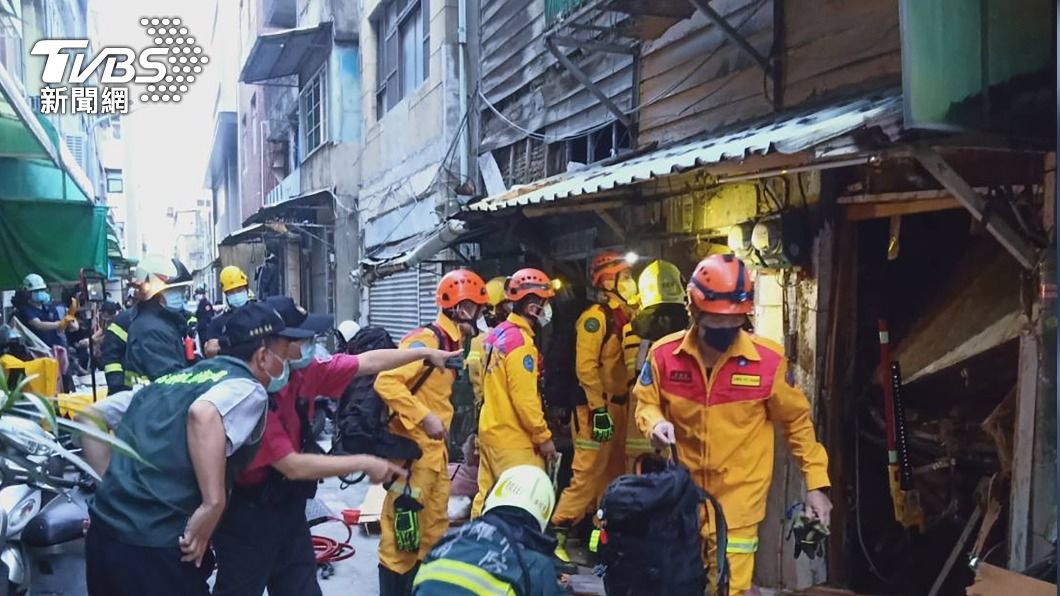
43 523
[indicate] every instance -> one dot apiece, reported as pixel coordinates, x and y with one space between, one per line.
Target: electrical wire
537 135
437 175
328 550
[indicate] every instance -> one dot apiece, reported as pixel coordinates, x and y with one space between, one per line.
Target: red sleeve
331 377
275 445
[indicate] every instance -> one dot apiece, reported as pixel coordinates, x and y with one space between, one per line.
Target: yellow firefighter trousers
431 488
743 544
589 471
492 462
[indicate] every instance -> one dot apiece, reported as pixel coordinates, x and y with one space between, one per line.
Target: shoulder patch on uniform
528 363
645 374
592 325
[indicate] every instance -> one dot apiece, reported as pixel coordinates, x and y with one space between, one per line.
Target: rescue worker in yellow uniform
495 313
512 430
662 312
599 424
418 396
716 391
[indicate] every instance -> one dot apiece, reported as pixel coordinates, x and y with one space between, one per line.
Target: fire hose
329 550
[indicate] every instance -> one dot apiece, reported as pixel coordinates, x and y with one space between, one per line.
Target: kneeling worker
263 540
512 430
741 385
466 560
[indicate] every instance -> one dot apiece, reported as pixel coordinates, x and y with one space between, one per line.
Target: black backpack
651 543
561 389
362 420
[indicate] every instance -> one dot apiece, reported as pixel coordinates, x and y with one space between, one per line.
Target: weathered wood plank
1023 452
863 211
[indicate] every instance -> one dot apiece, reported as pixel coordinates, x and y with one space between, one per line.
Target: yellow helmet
495 291
232 277
660 283
527 487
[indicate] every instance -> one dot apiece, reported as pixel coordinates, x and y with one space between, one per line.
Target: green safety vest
149 505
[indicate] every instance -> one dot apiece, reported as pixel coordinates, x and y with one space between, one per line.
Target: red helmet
526 282
721 285
607 265
460 285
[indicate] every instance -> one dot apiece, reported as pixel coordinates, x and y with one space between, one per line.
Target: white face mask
544 316
481 325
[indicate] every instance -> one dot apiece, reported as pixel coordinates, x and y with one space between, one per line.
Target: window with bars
403 39
312 112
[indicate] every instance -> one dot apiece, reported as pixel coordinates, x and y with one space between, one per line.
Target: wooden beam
863 211
597 46
1023 452
587 82
934 163
611 222
897 197
733 35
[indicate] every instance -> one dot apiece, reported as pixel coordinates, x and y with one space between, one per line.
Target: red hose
329 550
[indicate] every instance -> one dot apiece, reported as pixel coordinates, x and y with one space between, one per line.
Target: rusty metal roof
790 133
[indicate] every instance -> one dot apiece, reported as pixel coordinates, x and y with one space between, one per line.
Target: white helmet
526 487
347 329
156 273
33 282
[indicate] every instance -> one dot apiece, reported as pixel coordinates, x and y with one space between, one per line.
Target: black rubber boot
392 583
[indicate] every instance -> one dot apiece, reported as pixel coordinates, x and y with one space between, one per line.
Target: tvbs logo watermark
163 71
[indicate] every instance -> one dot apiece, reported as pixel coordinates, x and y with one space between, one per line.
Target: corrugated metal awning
790 133
285 53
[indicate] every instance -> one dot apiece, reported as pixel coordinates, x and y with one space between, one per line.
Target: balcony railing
289 188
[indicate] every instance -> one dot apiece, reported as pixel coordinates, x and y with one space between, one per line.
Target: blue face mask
309 350
174 299
278 383
237 299
719 338
42 297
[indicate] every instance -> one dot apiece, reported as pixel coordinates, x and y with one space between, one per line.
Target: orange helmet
721 285
607 265
526 282
460 285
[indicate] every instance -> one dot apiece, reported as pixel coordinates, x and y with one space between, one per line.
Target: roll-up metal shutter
403 301
429 276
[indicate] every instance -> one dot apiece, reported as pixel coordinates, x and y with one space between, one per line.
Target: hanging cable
857 500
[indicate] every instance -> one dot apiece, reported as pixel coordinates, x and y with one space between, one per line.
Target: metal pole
92 354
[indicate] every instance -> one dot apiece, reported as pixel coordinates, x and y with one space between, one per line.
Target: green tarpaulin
55 239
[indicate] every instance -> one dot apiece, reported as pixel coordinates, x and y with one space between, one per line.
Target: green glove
407 523
603 426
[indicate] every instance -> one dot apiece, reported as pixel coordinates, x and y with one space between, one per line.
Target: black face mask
719 338
492 318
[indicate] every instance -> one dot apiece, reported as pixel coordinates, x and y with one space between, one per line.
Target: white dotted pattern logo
185 58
